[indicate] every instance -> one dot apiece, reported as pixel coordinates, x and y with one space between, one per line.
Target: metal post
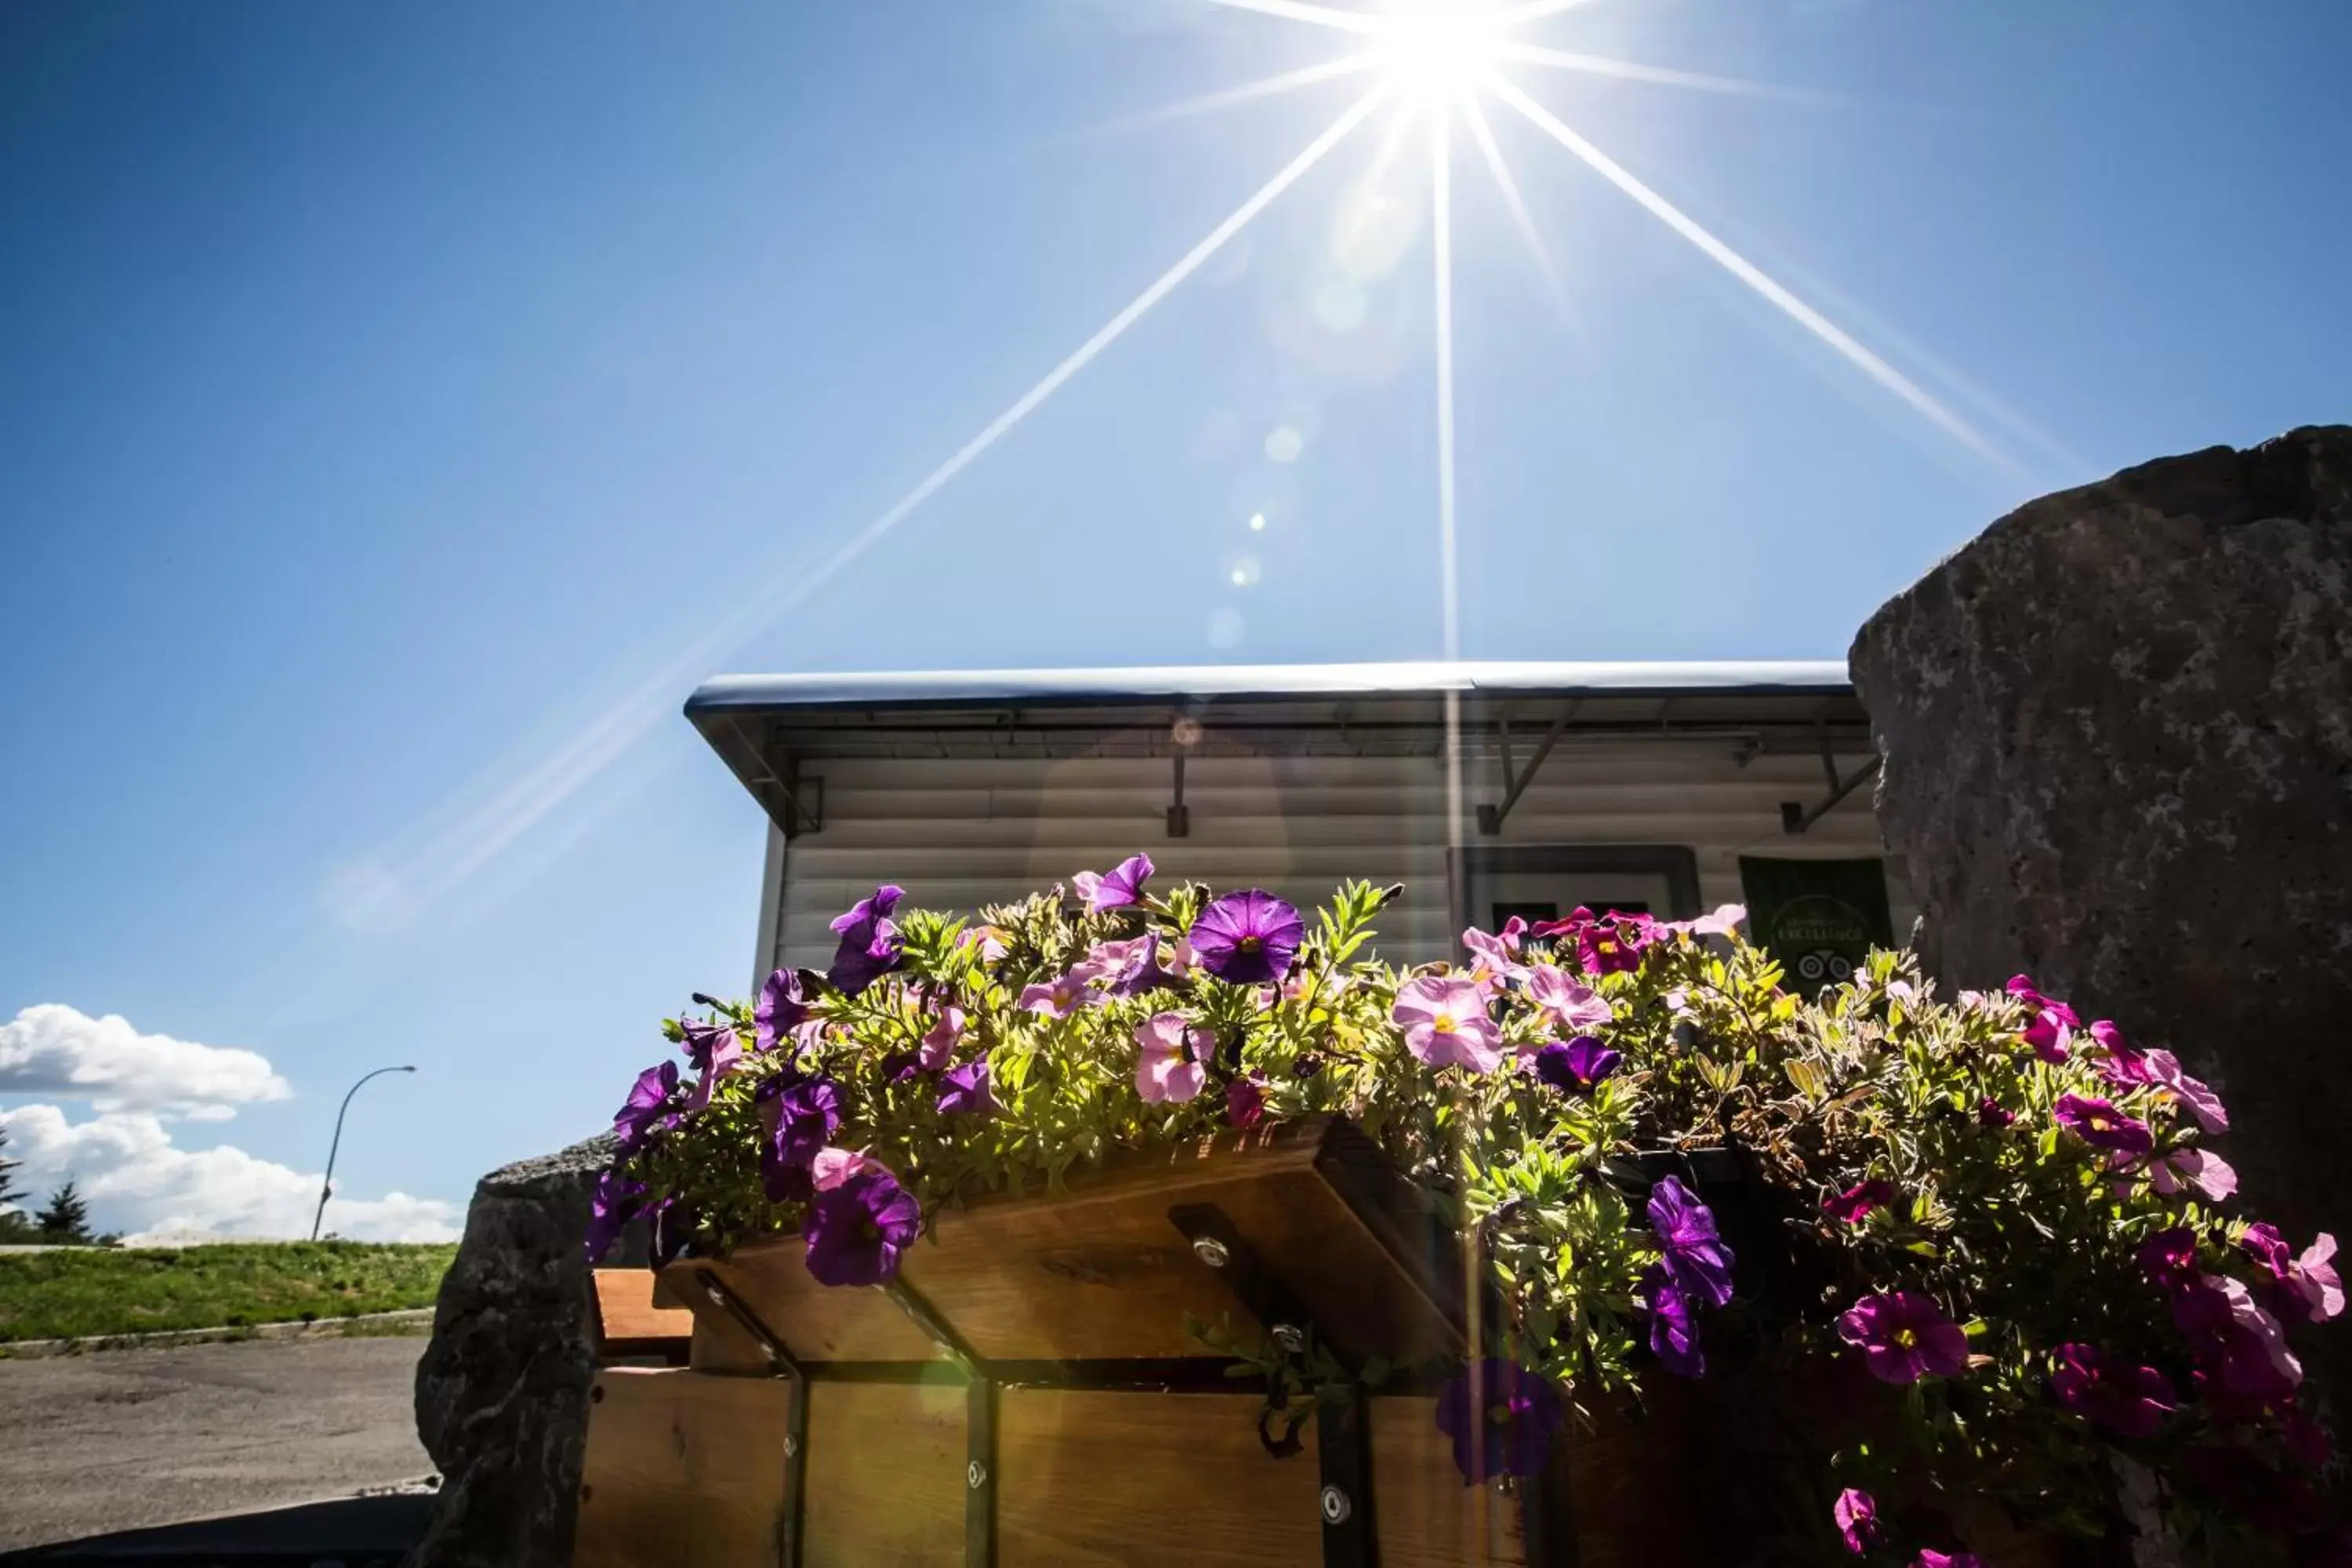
327 1186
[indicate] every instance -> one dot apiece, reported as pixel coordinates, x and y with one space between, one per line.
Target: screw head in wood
792 1447
1335 1506
976 1474
1211 1251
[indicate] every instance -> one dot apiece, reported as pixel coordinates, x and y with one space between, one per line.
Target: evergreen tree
9 1191
67 1216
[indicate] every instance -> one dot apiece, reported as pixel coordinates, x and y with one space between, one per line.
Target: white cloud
54 1050
138 1181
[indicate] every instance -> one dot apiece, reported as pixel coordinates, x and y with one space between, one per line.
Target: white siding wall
957 834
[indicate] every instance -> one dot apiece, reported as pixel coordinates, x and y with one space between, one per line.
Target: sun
1439 54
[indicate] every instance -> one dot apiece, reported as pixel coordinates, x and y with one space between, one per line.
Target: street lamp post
328 1186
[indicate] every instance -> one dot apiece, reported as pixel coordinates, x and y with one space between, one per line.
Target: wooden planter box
1027 1393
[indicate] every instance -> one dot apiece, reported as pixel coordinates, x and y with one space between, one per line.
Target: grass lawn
68 1294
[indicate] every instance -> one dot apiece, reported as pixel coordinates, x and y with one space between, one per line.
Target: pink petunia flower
1565 1005
1904 1337
2098 1123
2163 1070
2129 1401
1855 1513
1064 994
1173 1060
831 1167
1858 1200
2195 1170
938 1042
1446 1022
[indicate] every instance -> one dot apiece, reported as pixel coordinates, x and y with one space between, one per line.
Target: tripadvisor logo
1822 936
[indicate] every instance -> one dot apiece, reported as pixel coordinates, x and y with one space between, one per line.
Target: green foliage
69 1295
67 1218
2011 1223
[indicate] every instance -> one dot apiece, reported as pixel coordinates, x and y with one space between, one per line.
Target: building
1670 788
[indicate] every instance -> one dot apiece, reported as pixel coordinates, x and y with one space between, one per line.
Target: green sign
1819 918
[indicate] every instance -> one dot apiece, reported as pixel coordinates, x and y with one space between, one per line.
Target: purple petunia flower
1501 1418
806 1115
1064 994
966 1088
1121 888
715 1049
1245 1102
2129 1401
938 1042
1673 1327
1694 1257
857 1231
2193 1169
647 1110
1856 1515
869 942
1577 1067
2122 1064
783 1008
2098 1123
1446 1024
1497 953
610 1208
1247 938
1904 1337
1849 1205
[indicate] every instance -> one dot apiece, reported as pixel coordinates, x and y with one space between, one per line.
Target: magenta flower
648 1110
2311 1289
1247 938
857 1231
1673 1328
1614 946
1121 888
2098 1123
1930 1558
2263 1244
2129 1401
869 942
1990 1112
1172 1057
2122 1064
1573 925
783 1008
966 1088
1501 1418
1858 1200
940 1041
2050 1025
1904 1337
1577 1067
2163 1070
1694 1257
1856 1513
715 1049
2193 1170
2169 1258
1565 1004
610 1208
1245 1102
1446 1022
2240 1347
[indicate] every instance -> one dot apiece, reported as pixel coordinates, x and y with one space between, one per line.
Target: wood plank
1422 1512
682 1467
1176 1479
817 1322
886 1476
629 1321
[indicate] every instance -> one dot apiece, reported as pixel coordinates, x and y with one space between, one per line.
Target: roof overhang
767 727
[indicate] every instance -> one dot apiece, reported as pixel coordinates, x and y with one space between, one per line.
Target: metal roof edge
1163 683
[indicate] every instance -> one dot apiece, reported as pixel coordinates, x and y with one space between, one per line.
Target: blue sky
391 398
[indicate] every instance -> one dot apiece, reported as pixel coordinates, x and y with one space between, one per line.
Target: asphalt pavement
118 1440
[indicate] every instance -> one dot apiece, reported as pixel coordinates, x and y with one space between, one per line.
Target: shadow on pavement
349 1532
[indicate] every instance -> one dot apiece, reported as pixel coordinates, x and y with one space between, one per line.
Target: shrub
2014 1223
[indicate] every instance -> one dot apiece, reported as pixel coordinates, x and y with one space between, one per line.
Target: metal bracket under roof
1515 782
1795 818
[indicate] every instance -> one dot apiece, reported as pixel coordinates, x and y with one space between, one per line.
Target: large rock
502 1391
2116 732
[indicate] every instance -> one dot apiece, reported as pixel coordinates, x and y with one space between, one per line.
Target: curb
317 1329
